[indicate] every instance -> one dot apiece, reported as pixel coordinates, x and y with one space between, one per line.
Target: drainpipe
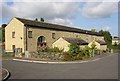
26 37
26 50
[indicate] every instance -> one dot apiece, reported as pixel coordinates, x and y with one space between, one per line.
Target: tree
86 52
93 47
3 32
93 30
0 34
74 48
107 37
115 44
42 19
115 37
36 19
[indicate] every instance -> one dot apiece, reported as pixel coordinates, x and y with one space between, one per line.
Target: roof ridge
26 19
23 20
49 23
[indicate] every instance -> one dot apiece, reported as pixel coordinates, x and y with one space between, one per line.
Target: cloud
62 21
7 11
50 11
106 28
99 9
57 12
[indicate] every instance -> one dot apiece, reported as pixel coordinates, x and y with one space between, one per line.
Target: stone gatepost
27 54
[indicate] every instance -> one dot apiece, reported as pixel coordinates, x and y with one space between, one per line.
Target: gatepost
26 54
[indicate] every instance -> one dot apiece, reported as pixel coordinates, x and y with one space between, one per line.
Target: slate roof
115 38
101 42
39 24
76 41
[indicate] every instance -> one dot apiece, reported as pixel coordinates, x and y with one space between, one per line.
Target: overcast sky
84 15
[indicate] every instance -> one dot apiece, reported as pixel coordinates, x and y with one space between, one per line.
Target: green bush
55 49
8 55
74 48
77 57
86 51
67 57
115 47
43 49
71 57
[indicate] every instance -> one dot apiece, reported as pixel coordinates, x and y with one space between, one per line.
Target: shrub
115 44
78 57
67 57
93 48
7 55
55 49
86 51
42 49
73 48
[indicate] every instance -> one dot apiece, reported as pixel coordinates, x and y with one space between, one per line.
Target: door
13 48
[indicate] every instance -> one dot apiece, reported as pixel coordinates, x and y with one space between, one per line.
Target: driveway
105 68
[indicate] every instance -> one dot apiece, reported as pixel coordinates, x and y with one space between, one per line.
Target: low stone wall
46 55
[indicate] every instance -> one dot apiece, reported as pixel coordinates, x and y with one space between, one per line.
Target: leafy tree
42 19
115 37
107 37
36 19
86 51
93 48
93 30
0 34
3 32
115 44
74 48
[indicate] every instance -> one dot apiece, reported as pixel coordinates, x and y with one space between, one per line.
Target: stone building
29 35
64 43
116 41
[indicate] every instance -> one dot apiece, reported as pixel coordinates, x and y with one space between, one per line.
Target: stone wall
37 32
21 41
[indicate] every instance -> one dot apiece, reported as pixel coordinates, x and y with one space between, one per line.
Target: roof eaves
56 26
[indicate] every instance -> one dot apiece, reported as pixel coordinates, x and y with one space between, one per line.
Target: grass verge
7 55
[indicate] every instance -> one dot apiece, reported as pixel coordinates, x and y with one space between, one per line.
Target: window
53 35
41 41
30 34
13 48
13 34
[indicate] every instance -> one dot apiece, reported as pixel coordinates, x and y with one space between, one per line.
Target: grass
8 55
115 47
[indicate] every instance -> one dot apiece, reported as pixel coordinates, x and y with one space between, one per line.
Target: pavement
4 74
104 68
97 57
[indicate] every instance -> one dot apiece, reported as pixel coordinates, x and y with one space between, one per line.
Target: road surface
105 68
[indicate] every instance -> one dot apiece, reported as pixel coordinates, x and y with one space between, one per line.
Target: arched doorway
41 41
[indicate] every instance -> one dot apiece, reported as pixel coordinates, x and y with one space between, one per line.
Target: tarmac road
105 68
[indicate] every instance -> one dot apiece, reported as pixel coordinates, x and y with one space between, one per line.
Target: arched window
41 42
41 39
